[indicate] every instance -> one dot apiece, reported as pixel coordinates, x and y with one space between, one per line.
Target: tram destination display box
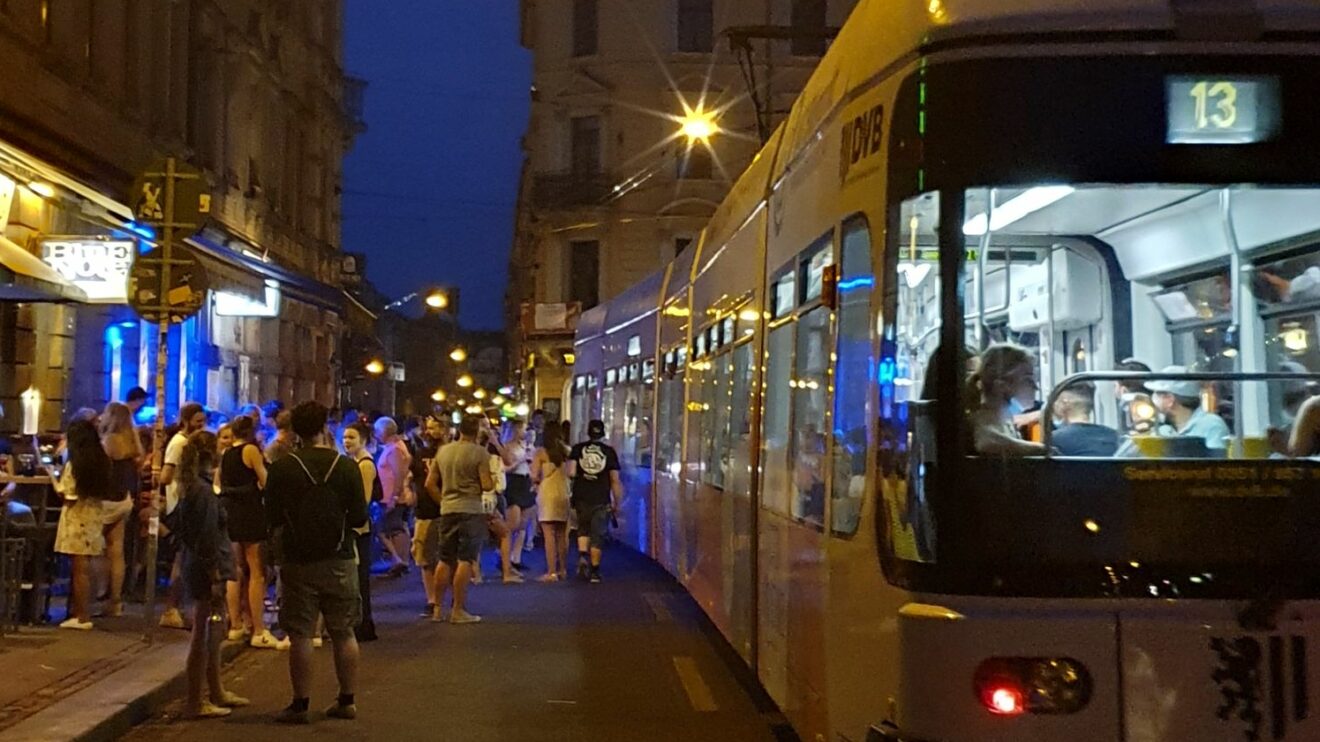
1222 110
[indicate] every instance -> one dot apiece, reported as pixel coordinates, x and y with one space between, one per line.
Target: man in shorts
463 471
426 529
314 497
392 465
594 468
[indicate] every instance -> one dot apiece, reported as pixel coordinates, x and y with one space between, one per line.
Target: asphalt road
628 659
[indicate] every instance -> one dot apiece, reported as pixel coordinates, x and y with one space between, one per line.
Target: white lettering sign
98 267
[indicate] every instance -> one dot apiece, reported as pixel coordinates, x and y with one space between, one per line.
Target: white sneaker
171 619
267 640
237 635
462 617
74 623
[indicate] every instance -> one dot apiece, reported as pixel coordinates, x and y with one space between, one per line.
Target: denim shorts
461 537
327 588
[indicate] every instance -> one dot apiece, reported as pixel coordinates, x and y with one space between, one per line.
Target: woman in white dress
552 502
93 505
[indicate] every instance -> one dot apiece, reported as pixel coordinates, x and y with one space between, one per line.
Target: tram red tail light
1009 686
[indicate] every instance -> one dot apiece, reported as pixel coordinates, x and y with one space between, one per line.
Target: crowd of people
287 510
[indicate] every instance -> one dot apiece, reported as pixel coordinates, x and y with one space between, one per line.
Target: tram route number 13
1223 97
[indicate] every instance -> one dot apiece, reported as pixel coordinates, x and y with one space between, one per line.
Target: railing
565 190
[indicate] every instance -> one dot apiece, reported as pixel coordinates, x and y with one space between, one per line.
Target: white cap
1176 387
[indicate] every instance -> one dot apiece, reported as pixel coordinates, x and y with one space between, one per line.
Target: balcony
355 90
568 190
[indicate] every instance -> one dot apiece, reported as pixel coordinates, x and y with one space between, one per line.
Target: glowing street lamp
437 300
458 355
479 394
698 125
465 381
498 400
375 367
438 395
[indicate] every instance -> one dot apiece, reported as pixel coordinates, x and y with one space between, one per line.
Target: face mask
1015 407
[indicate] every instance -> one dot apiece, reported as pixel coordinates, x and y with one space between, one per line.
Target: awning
296 285
23 277
224 275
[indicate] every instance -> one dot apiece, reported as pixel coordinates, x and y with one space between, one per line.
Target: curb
115 704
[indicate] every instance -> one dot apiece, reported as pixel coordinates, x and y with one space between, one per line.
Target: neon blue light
141 230
128 324
114 337
860 282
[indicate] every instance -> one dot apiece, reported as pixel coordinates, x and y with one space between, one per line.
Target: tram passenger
1005 385
1304 437
1136 411
1077 435
1179 402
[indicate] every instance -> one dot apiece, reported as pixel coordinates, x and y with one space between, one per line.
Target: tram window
813 268
715 421
784 299
643 429
810 396
776 420
669 429
699 376
852 374
738 480
1288 298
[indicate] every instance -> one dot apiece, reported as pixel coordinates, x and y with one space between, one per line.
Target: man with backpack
314 501
593 465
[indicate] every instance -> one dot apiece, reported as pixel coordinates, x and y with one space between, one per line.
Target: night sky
429 189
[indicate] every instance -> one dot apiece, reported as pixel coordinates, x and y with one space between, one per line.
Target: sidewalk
59 684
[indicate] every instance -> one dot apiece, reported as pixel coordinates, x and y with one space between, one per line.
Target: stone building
252 93
612 189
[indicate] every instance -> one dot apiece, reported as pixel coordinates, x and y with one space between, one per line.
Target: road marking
658 607
694 685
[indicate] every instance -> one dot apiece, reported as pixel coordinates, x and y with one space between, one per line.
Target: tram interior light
1015 209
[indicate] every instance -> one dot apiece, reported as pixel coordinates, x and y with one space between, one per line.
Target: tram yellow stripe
694 685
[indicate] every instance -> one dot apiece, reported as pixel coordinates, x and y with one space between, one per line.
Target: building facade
612 188
251 93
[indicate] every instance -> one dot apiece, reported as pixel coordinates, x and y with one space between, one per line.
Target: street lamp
698 124
375 367
465 380
458 355
479 394
438 395
437 300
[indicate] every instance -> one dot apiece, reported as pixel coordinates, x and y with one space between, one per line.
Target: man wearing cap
594 468
1179 401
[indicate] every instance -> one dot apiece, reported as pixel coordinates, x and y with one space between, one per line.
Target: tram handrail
1236 376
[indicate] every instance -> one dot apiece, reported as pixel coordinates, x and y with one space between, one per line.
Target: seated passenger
1076 435
1004 385
1179 402
1303 439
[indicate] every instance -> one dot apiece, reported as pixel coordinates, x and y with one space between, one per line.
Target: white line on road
694 685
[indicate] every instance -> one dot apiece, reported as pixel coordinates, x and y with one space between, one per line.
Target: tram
1093 181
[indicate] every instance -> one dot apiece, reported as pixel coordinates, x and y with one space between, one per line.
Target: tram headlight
1009 686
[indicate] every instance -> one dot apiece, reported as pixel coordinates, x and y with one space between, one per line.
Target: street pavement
628 659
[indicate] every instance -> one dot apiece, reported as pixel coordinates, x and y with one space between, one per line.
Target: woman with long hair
552 502
518 494
94 506
122 444
242 478
355 438
208 565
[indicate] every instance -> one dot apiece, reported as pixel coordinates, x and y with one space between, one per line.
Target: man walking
314 497
192 418
426 529
392 465
462 469
594 468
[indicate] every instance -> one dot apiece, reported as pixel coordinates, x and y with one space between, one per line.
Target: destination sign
1222 110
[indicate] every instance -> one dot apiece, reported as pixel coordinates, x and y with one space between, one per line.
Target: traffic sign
192 196
187 289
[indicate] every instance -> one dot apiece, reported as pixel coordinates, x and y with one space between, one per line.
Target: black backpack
313 519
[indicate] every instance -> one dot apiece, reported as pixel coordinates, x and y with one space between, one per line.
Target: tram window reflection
810 395
851 377
776 419
739 457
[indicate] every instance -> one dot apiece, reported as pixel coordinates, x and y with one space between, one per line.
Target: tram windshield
1116 340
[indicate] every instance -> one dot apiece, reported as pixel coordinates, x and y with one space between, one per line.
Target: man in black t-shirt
594 468
426 529
314 498
1076 434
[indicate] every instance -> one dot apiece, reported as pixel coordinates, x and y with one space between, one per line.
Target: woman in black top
242 478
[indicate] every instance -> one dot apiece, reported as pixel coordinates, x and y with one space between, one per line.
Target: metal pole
158 438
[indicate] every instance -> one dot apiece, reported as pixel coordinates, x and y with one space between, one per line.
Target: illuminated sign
1222 110
98 267
229 304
